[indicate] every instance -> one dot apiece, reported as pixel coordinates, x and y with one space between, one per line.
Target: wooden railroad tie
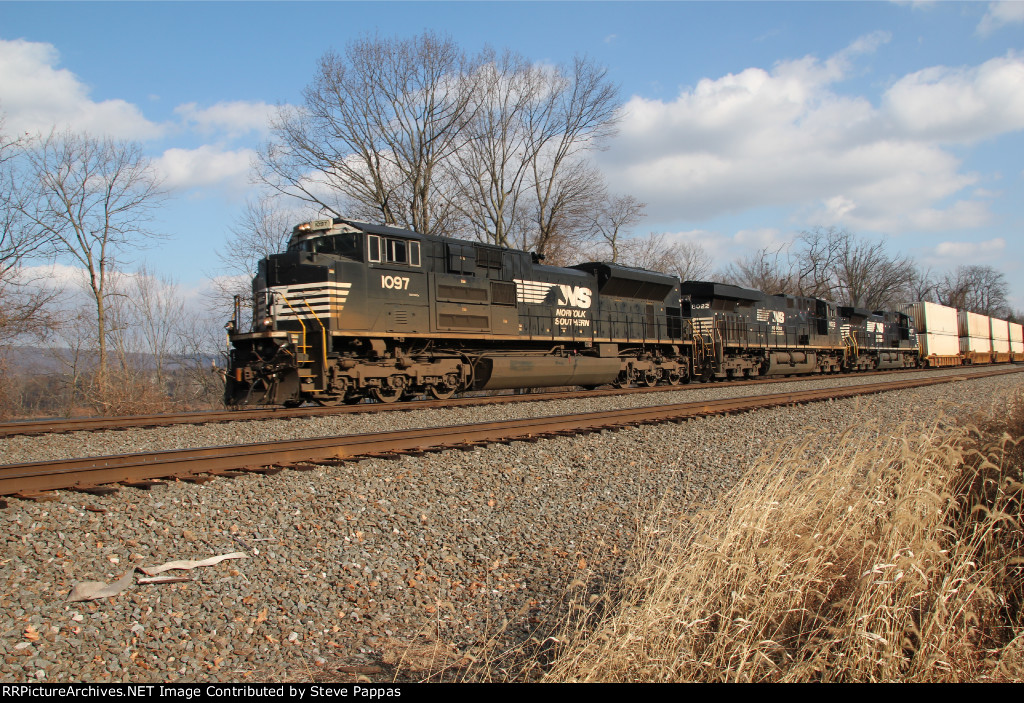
98 490
144 485
37 497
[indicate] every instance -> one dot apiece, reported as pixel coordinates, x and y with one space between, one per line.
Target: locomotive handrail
852 350
323 346
304 346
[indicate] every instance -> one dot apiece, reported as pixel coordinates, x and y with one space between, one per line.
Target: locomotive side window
397 251
393 251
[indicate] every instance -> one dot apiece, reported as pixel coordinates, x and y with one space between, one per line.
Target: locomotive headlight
268 322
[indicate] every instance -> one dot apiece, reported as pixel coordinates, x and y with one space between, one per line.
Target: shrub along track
100 423
31 480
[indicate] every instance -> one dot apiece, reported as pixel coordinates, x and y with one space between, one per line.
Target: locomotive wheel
331 402
647 379
353 399
386 395
440 392
625 379
673 379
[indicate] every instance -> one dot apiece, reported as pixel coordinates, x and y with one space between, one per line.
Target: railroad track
32 480
99 424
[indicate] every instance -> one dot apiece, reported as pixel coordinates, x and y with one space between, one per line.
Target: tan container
971 324
932 318
980 345
1001 346
1016 338
1000 330
939 344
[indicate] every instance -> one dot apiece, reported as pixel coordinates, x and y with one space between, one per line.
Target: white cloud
766 237
55 276
954 253
233 119
1000 14
36 96
208 165
959 105
786 137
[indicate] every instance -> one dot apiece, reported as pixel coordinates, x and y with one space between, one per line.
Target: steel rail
100 423
37 477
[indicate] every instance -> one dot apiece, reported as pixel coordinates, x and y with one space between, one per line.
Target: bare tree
377 124
92 199
158 317
493 165
413 133
813 261
980 289
23 301
868 276
921 285
612 221
833 264
690 261
578 115
766 270
560 224
530 184
657 251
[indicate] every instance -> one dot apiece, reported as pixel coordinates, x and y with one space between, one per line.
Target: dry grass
900 562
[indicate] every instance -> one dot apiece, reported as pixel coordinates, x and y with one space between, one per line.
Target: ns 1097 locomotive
353 310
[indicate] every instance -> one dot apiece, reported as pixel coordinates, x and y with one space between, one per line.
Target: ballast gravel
371 566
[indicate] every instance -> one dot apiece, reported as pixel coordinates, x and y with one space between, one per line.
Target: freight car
353 310
951 337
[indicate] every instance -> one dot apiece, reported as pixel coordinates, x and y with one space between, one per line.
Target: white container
1001 346
1016 338
933 318
1000 331
939 344
971 324
979 345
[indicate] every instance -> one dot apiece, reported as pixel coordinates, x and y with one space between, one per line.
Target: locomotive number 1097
395 282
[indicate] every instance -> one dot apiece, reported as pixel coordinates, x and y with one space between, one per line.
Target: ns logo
577 297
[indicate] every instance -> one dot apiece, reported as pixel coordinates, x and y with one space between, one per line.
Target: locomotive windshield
345 244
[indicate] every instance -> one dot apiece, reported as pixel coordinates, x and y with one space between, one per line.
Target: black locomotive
747 333
353 310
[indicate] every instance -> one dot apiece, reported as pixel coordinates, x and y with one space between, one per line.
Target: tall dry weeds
897 562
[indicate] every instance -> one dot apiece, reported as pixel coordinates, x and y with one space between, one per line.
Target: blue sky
743 123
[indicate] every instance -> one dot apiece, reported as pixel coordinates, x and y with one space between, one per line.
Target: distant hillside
42 360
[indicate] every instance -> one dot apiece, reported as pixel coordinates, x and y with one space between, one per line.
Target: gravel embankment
422 557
